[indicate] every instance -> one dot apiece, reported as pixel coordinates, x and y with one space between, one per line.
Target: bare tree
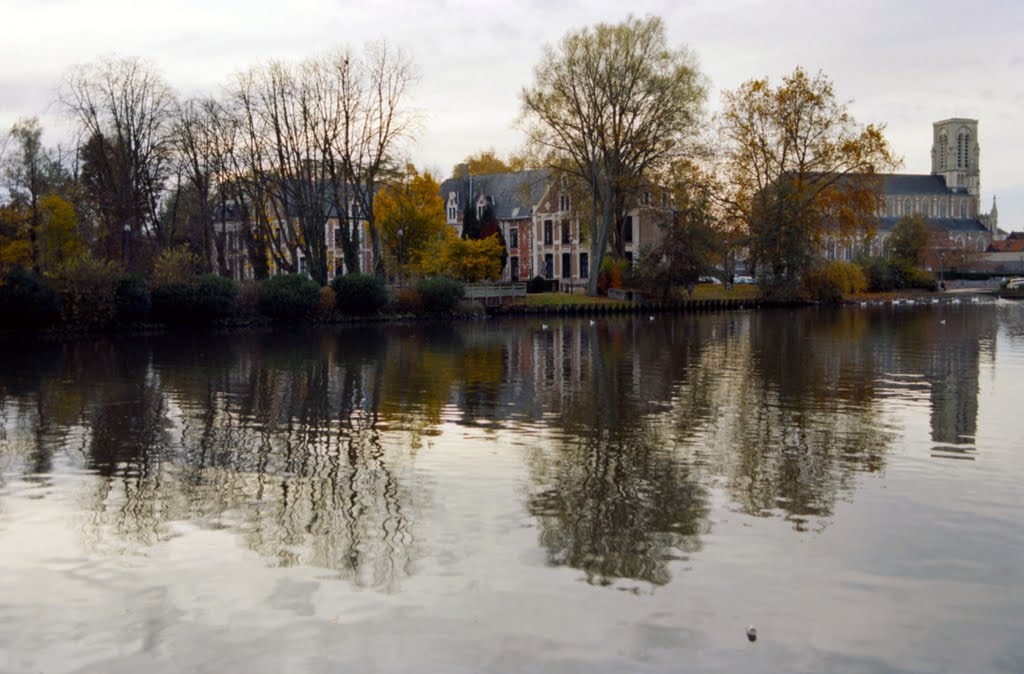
608 105
125 109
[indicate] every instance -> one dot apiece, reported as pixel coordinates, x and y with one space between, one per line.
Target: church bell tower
955 154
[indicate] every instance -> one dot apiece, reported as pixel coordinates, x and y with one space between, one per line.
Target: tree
609 105
799 168
470 223
909 239
486 161
25 176
468 260
59 243
410 214
125 111
489 226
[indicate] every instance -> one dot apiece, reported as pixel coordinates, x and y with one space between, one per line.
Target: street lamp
126 244
942 269
572 258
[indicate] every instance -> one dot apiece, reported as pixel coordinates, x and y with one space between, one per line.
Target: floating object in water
543 326
651 317
752 633
593 322
942 322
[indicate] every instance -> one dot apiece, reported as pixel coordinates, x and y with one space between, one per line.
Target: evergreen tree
470 225
488 226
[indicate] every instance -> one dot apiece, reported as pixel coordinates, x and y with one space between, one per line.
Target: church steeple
956 154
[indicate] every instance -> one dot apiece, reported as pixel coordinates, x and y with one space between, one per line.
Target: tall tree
25 176
490 226
909 240
410 213
484 162
610 104
125 111
799 167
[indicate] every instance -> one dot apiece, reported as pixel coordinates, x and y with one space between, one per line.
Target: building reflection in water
305 444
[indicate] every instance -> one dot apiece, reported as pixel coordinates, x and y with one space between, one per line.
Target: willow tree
609 105
799 169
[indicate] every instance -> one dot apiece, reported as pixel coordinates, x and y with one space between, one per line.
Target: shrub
408 300
248 300
325 303
440 293
288 297
536 285
208 298
27 302
88 293
883 275
131 299
174 266
470 308
175 303
215 296
914 277
611 274
359 294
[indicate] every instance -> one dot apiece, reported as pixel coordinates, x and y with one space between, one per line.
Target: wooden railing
495 293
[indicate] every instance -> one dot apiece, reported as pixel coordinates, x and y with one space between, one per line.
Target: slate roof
886 223
902 184
514 193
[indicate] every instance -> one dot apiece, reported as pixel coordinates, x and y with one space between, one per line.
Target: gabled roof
514 194
902 184
1011 245
886 223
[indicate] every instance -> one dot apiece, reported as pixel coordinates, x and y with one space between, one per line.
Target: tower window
963 139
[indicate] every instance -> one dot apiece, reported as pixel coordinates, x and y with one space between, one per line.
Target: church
949 198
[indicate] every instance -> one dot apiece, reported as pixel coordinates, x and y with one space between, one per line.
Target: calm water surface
623 496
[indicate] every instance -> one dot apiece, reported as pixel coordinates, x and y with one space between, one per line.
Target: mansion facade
539 217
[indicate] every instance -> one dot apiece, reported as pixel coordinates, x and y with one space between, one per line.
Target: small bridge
494 294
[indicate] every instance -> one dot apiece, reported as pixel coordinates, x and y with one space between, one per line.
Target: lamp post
401 234
572 258
126 244
942 269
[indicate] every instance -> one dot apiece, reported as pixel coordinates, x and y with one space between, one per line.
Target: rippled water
622 496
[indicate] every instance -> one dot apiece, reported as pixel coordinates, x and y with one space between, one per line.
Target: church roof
886 223
514 193
900 184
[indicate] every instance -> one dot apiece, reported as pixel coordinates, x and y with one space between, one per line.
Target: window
549 265
566 265
907 207
565 231
627 229
943 150
848 253
302 263
963 140
646 199
830 252
963 208
548 236
452 213
584 265
354 210
629 258
337 236
339 266
513 237
479 211
513 265
942 209
926 208
563 203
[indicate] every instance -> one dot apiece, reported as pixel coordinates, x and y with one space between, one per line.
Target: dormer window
563 203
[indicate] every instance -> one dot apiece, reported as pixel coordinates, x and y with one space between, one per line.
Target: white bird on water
543 326
593 322
651 317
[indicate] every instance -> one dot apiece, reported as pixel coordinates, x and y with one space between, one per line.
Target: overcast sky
906 64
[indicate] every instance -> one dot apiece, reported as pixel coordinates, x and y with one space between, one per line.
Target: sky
905 64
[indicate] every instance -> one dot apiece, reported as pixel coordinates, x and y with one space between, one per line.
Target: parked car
746 280
710 279
1014 284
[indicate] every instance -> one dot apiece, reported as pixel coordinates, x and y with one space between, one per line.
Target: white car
710 279
745 280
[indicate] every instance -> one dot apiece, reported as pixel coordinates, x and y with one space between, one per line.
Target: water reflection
305 445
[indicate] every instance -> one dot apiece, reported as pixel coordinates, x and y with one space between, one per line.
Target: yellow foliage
59 241
410 215
470 260
174 265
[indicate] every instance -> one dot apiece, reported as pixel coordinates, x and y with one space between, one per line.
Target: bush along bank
100 299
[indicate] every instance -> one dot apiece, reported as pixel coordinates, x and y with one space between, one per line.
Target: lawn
703 291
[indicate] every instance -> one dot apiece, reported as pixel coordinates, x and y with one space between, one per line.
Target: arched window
926 208
960 241
942 209
963 208
963 140
982 244
943 149
908 207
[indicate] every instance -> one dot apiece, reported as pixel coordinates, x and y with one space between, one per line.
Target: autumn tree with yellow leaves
410 213
798 168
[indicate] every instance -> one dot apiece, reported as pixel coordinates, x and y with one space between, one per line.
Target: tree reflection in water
305 444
